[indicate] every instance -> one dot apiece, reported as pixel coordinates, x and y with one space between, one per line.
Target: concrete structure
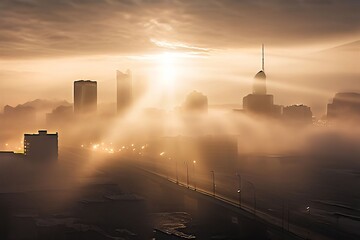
124 91
60 114
23 115
297 114
10 155
85 97
344 105
259 87
196 102
259 104
41 146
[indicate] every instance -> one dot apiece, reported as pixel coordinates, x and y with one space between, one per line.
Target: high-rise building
22 115
196 102
61 114
85 96
344 105
297 114
41 146
259 102
124 91
259 87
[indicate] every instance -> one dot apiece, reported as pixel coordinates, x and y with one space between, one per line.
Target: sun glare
168 70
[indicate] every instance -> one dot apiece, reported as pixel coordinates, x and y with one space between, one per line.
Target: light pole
166 172
254 195
162 155
177 176
214 186
239 188
187 174
194 175
308 211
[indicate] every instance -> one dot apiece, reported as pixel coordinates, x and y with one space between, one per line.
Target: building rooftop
41 133
261 74
85 81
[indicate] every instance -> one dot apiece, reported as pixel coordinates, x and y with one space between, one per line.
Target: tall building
259 87
59 115
85 96
41 146
124 91
344 105
196 102
259 102
297 114
24 115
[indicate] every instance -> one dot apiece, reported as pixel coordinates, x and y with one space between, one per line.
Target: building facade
297 114
344 105
196 102
85 97
41 146
124 91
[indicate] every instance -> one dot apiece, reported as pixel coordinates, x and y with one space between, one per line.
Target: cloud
43 28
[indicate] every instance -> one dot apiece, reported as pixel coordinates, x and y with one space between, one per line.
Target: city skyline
304 61
179 119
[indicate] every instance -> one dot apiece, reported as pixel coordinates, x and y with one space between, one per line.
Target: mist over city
166 119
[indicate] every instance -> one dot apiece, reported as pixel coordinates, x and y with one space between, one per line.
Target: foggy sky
51 43
36 28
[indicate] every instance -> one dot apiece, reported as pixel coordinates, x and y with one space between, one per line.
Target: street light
308 211
254 195
177 176
239 188
163 154
214 186
194 175
187 174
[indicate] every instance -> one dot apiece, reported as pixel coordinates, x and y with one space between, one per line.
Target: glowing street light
239 188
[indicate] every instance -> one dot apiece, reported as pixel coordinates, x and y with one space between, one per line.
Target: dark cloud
37 28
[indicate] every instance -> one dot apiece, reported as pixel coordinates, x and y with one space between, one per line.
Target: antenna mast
263 58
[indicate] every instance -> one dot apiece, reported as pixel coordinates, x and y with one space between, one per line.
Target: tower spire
263 59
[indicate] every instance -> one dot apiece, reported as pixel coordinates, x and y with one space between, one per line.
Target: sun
168 70
167 64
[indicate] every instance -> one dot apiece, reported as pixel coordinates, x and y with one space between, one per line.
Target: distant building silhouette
85 97
259 102
19 113
196 102
60 114
41 146
344 105
297 114
124 91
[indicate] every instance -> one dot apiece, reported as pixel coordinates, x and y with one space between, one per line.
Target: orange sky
312 47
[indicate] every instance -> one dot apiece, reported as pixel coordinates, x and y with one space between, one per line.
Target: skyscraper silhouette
85 96
124 91
259 102
260 78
